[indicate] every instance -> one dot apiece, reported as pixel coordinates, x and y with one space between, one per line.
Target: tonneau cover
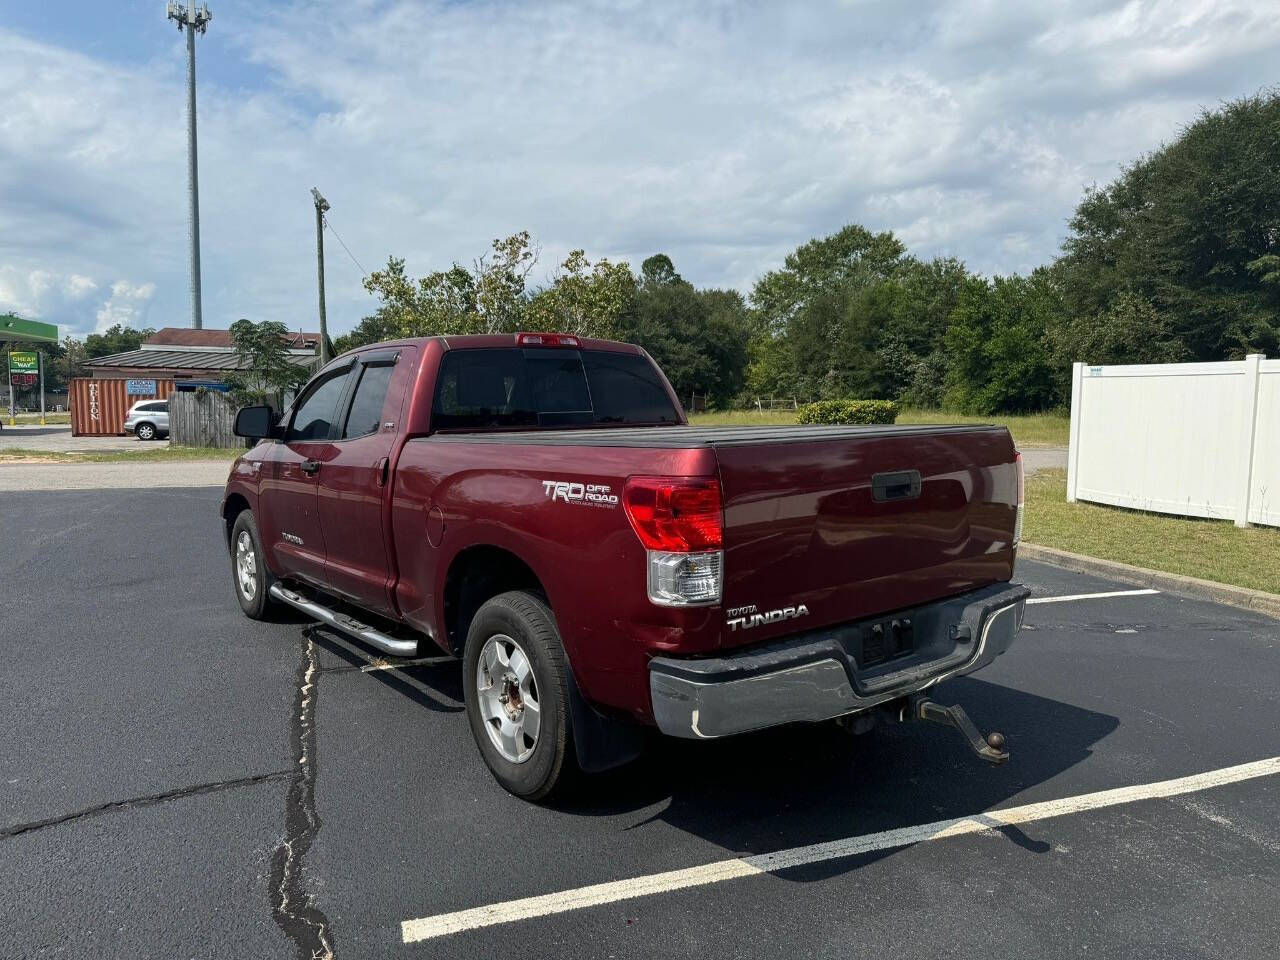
676 437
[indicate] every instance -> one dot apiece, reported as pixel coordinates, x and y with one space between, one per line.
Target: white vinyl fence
1195 439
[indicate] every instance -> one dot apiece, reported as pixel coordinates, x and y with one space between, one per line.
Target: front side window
314 415
366 406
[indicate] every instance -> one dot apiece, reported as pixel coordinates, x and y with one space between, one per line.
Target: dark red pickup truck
538 505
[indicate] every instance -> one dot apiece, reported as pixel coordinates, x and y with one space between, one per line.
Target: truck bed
807 520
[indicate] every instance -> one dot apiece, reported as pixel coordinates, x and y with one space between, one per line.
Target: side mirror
256 423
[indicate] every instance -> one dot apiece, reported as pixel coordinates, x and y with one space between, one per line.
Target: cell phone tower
193 20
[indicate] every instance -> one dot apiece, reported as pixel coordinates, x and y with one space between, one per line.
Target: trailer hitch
990 748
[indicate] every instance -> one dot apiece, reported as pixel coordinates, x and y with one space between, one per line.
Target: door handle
310 466
381 467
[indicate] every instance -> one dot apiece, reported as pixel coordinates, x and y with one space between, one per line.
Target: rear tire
515 679
145 431
250 576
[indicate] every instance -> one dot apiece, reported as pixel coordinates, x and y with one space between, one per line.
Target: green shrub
848 411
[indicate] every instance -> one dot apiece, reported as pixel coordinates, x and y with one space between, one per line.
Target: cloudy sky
723 134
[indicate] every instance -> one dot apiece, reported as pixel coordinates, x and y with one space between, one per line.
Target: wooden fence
202 418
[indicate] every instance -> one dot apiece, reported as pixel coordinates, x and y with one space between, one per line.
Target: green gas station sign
24 362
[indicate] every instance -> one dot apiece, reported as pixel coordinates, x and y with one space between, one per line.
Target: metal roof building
181 353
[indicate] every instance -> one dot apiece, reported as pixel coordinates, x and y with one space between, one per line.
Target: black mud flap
990 748
601 743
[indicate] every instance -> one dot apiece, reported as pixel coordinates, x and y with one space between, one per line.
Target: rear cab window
480 389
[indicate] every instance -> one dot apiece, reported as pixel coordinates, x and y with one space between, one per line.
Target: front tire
249 570
515 680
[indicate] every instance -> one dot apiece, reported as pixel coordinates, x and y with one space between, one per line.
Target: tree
117 338
698 338
851 256
1132 331
271 371
372 329
489 298
69 363
1189 229
999 362
583 298
851 315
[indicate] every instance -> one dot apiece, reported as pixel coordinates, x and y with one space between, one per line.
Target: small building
181 353
172 359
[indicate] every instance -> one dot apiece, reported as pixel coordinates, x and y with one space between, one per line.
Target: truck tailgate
859 522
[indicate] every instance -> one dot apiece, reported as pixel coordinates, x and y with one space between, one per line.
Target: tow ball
990 748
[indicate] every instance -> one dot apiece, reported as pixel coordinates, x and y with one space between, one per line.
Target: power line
363 272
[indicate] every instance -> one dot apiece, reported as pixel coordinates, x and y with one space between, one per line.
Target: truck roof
477 341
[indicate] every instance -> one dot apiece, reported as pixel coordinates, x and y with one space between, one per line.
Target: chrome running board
348 625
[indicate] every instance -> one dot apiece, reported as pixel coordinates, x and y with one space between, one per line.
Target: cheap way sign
24 362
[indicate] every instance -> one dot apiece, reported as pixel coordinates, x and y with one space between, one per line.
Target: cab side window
316 411
366 406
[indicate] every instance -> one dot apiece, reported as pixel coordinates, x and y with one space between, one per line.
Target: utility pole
321 206
192 20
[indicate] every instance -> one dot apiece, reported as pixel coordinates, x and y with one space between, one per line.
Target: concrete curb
1257 601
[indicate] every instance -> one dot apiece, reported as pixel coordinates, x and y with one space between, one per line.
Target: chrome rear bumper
816 676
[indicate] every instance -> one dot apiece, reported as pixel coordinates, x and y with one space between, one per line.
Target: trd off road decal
593 494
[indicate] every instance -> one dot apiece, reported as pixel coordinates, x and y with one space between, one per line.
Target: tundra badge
752 619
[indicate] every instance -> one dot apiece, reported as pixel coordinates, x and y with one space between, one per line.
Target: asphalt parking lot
57 438
178 781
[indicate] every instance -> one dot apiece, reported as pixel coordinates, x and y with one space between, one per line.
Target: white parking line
397 664
1093 596
425 928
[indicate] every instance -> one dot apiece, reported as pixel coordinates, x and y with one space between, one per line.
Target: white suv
148 419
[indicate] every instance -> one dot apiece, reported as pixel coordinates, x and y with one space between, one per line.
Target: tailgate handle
900 485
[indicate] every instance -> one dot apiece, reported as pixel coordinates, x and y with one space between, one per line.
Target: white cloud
77 286
127 305
723 135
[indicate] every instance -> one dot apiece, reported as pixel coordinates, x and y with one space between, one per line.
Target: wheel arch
234 505
476 574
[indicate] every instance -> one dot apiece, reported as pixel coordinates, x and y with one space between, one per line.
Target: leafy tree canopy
272 372
117 338
1194 230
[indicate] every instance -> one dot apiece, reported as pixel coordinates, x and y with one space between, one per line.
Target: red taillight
546 340
1022 499
675 514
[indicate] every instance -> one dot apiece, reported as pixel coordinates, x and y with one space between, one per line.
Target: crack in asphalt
134 803
293 908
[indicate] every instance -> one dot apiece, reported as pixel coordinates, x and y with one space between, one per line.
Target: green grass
50 419
1029 430
1209 549
150 455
